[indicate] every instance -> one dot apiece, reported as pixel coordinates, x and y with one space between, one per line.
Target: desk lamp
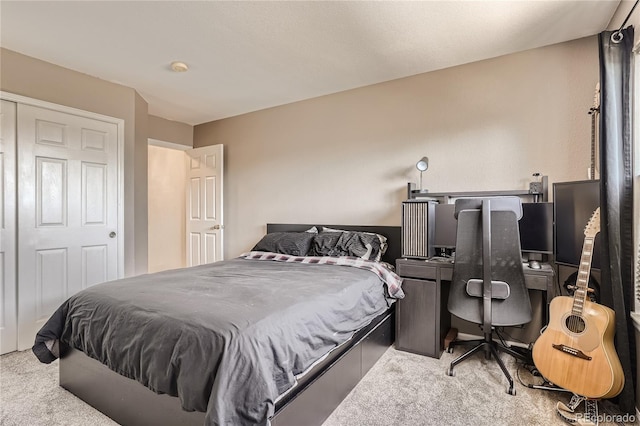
422 165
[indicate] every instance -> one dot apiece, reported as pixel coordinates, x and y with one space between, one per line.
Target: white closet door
8 315
67 209
204 205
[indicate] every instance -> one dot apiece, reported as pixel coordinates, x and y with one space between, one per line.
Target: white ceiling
247 56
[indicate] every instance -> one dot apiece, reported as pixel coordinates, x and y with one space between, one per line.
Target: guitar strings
575 322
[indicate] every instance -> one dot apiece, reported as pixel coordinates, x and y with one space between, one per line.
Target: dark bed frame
309 403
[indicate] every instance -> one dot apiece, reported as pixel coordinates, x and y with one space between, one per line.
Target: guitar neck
582 283
592 170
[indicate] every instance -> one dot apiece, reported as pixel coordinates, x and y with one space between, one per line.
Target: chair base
490 348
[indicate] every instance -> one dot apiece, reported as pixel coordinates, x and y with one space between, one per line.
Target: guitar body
584 362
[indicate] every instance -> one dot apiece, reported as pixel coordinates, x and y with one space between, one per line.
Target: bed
305 395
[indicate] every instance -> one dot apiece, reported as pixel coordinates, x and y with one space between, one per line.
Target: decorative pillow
293 243
325 244
366 245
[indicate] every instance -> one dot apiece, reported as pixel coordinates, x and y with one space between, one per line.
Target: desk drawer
446 274
416 270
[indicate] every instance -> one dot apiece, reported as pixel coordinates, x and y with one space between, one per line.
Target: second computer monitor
575 203
445 227
536 228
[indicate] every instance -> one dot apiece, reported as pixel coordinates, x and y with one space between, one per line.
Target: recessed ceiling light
179 66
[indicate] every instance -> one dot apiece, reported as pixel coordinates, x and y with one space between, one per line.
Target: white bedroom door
8 320
204 205
67 210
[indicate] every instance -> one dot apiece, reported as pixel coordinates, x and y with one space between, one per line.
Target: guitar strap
593 287
568 411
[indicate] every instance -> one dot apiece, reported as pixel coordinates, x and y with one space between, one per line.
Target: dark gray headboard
392 233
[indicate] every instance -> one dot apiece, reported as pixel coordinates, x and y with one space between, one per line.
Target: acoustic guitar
576 350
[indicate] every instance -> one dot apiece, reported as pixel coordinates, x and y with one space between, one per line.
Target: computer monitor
536 228
445 226
574 204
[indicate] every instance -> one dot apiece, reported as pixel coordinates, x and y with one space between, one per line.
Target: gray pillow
334 242
293 243
366 245
324 244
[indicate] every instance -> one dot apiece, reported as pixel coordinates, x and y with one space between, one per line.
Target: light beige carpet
401 389
408 389
30 396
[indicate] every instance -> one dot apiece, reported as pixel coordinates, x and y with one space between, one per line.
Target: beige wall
165 130
347 157
166 208
167 177
23 75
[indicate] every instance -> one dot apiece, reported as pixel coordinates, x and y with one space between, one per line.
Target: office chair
488 281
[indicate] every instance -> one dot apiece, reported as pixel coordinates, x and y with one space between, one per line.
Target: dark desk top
535 279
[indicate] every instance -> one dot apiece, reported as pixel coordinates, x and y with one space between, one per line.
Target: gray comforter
226 338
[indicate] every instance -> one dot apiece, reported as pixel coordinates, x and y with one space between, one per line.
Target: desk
422 318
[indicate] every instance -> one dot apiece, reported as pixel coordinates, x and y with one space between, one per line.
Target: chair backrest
509 304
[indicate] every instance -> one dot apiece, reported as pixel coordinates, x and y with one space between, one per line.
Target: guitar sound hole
575 324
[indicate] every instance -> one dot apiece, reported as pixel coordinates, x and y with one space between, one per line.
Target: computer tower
417 228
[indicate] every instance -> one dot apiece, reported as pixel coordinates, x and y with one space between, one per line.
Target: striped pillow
338 242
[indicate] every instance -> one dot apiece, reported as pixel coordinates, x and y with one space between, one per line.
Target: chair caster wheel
450 372
511 391
449 349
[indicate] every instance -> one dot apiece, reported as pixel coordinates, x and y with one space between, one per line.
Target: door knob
112 234
215 227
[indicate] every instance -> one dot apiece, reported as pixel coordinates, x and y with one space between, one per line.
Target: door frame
119 122
9 270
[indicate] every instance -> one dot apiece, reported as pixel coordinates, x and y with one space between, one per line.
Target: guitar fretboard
592 169
582 283
593 111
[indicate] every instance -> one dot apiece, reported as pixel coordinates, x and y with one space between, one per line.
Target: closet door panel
67 167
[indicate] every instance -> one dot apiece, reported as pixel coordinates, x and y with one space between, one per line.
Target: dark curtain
616 198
